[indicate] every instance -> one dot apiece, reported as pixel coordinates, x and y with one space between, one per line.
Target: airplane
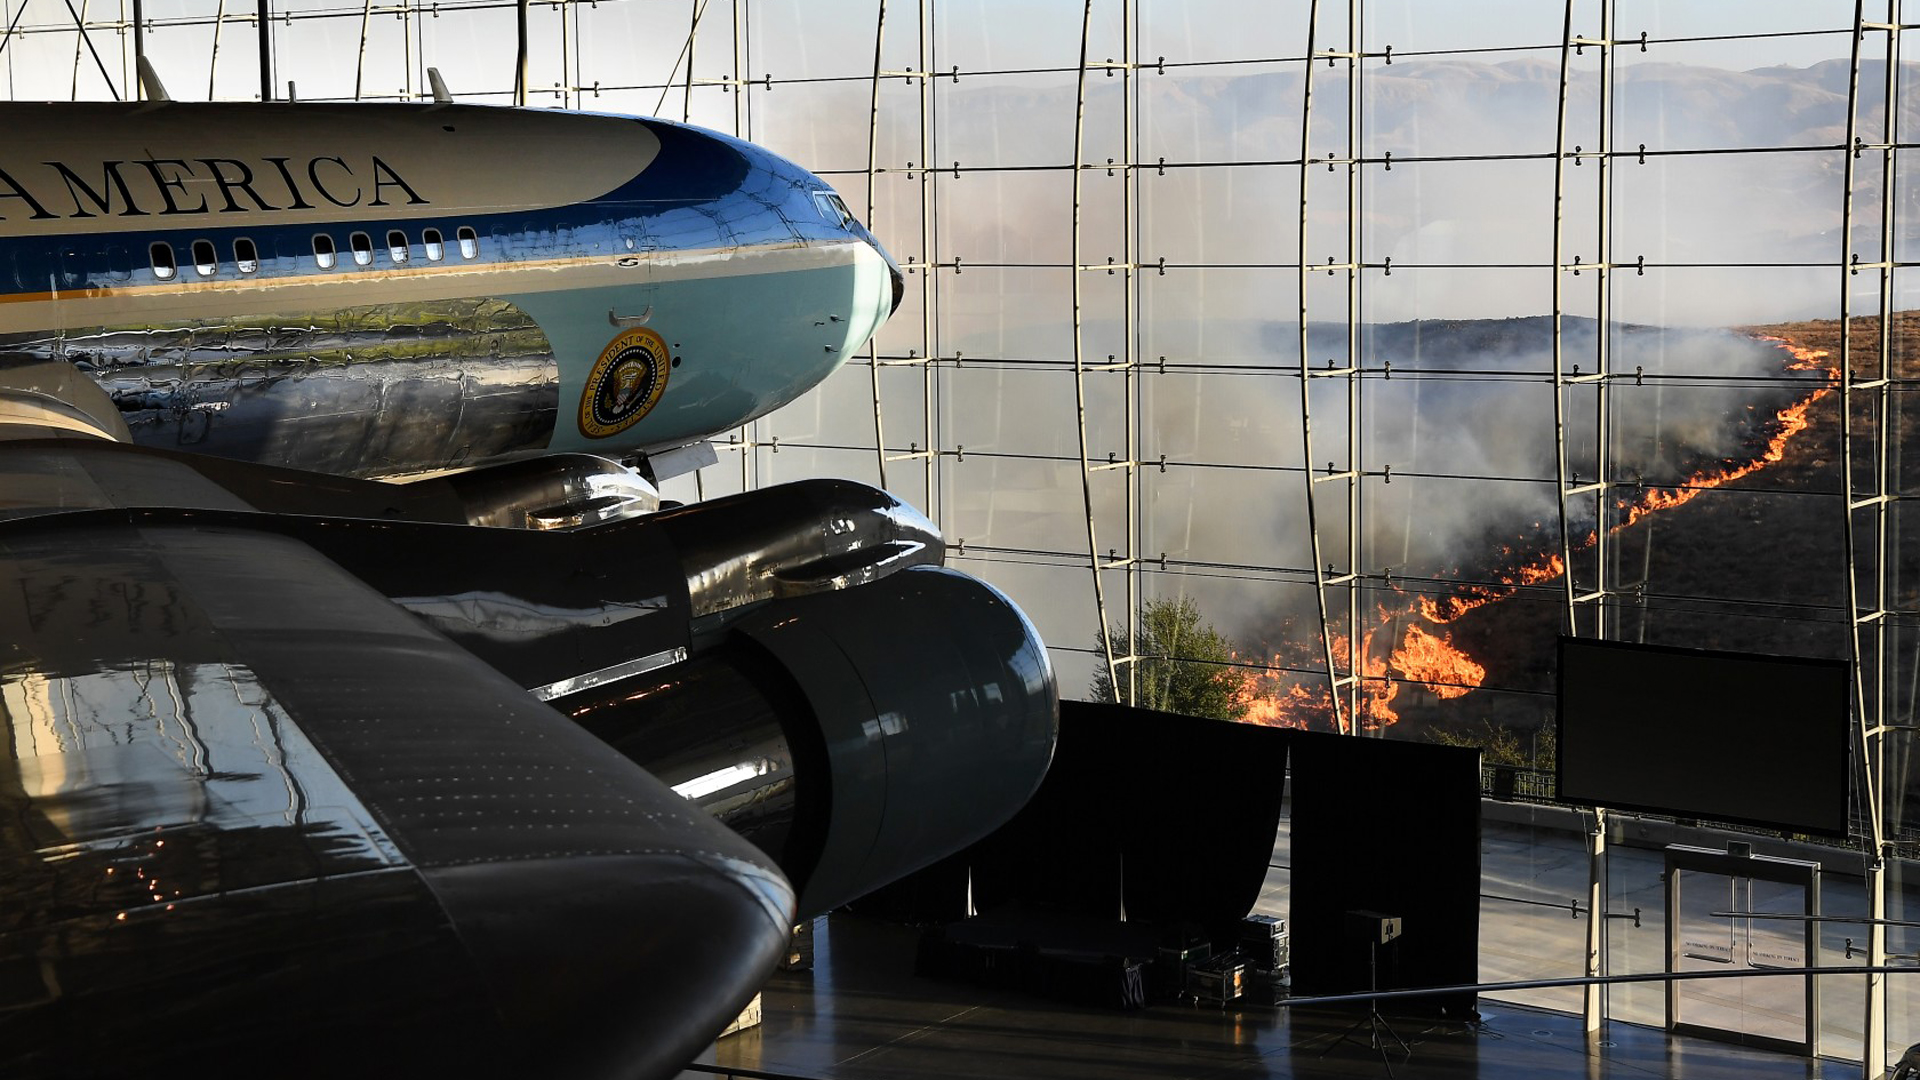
495 763
391 289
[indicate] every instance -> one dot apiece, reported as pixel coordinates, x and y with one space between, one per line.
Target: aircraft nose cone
899 286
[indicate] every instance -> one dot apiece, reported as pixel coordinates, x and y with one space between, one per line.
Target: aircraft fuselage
381 290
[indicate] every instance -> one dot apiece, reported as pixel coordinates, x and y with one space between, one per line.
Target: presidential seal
625 384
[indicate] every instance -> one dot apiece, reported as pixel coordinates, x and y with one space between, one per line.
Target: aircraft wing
305 775
256 817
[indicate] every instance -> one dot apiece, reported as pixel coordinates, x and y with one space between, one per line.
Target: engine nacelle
854 736
793 659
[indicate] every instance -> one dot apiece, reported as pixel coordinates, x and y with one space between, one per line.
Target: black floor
862 1013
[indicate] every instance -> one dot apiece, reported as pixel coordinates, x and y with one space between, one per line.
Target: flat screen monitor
1734 737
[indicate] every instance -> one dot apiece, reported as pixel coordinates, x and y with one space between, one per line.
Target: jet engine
795 660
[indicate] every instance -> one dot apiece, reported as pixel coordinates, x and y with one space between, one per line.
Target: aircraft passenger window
469 242
323 253
362 246
205 262
245 256
161 256
436 247
397 246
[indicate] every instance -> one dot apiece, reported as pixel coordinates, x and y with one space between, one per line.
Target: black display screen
1734 737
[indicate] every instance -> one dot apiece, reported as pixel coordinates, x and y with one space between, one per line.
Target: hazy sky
638 41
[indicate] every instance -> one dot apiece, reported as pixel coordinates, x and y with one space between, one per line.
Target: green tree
1499 745
1185 665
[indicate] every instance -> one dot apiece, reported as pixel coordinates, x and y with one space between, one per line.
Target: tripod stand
1373 1020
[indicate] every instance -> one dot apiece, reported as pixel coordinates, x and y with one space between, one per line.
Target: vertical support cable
263 18
929 260
1079 355
520 55
1867 628
873 150
743 128
1129 322
1559 313
695 9
139 45
740 100
409 48
1594 1000
1345 716
360 58
1356 643
80 48
929 237
569 78
1600 487
213 55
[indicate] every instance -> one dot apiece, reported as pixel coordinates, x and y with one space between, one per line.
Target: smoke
1457 421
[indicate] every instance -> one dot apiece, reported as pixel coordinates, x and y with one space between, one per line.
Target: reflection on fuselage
453 301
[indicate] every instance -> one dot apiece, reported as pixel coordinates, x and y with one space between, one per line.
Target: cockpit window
833 206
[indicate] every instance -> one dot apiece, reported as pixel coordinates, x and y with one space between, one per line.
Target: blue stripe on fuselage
703 190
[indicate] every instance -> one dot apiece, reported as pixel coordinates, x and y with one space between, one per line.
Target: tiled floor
862 1013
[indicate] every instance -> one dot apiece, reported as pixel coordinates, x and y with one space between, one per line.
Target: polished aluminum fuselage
382 290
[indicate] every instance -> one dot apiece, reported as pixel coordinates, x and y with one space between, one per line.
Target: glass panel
798 40
1412 26
972 35
1004 120
1191 31
1247 215
1211 319
474 50
1463 104
1014 312
822 126
1012 217
1247 113
1007 502
1711 296
1462 213
1491 319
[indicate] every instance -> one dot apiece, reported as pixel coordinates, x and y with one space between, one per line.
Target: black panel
1391 827
1187 806
1734 737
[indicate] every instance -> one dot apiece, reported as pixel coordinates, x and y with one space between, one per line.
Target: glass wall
1400 337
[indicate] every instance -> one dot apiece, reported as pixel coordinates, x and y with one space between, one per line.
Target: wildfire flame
1295 692
1792 421
1434 662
